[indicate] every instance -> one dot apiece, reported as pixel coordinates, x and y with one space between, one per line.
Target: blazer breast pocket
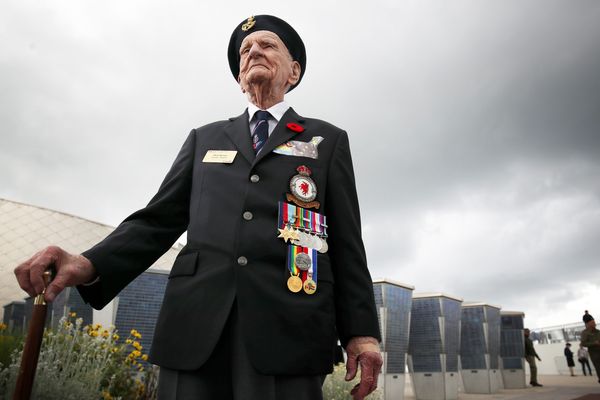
185 265
324 272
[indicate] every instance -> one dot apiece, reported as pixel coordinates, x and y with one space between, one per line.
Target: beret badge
249 24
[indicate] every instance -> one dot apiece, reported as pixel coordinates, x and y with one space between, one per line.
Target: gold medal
310 286
294 283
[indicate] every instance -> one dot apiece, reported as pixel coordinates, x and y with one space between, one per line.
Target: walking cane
33 343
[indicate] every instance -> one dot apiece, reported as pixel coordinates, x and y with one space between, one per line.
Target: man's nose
255 51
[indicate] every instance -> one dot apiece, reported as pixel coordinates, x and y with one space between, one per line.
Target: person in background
569 357
590 338
583 358
530 356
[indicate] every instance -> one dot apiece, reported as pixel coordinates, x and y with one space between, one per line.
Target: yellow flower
145 357
3 326
136 353
73 314
97 326
115 337
106 395
105 333
135 334
137 345
128 341
114 349
93 333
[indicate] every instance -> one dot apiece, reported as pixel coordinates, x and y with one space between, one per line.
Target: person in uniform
274 270
590 338
530 356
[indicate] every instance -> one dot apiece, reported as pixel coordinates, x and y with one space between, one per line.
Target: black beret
286 33
587 317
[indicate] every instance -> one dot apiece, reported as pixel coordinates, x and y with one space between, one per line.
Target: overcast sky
474 126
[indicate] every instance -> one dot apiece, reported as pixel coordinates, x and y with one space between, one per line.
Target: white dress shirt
276 112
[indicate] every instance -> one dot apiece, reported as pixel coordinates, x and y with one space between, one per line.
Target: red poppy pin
295 127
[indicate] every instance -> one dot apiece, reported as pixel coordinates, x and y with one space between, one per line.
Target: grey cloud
452 109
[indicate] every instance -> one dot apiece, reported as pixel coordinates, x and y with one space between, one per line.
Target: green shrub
84 363
8 343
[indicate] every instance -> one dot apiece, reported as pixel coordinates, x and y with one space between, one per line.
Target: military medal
324 246
310 286
303 188
294 283
303 262
288 233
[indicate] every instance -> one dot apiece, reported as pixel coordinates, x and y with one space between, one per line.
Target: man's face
264 59
526 332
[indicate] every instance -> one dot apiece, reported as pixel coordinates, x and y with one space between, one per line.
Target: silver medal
317 244
303 262
324 246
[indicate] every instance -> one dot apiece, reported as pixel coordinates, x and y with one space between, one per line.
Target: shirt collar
276 111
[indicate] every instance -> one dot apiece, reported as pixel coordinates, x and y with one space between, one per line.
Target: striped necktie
261 130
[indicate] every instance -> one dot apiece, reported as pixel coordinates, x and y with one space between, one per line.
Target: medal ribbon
281 215
313 268
291 264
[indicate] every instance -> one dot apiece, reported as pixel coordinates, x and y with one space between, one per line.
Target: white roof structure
26 229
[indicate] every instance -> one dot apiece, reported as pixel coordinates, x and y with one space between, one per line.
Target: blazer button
242 261
248 215
254 178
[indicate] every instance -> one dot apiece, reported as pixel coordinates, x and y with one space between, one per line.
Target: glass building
434 346
393 301
512 349
480 348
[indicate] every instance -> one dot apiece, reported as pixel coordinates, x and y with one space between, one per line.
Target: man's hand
71 270
538 357
363 350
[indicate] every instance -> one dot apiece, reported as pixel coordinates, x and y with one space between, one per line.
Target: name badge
219 156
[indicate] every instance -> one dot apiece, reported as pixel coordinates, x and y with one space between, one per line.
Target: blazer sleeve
356 314
145 235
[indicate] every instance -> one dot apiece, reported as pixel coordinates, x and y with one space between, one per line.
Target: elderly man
274 270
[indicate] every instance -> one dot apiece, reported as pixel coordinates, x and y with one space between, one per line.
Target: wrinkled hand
363 350
71 270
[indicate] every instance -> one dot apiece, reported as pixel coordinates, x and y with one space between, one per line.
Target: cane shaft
31 352
33 344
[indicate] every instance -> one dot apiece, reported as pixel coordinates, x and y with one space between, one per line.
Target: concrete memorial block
434 346
512 349
393 300
480 348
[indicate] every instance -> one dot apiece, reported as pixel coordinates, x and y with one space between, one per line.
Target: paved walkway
556 387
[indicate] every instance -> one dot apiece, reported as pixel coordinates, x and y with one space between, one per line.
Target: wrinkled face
264 59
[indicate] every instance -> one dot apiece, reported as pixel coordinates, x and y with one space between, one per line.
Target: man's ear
295 75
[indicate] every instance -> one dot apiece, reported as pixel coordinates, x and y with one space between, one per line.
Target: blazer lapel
238 132
280 134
